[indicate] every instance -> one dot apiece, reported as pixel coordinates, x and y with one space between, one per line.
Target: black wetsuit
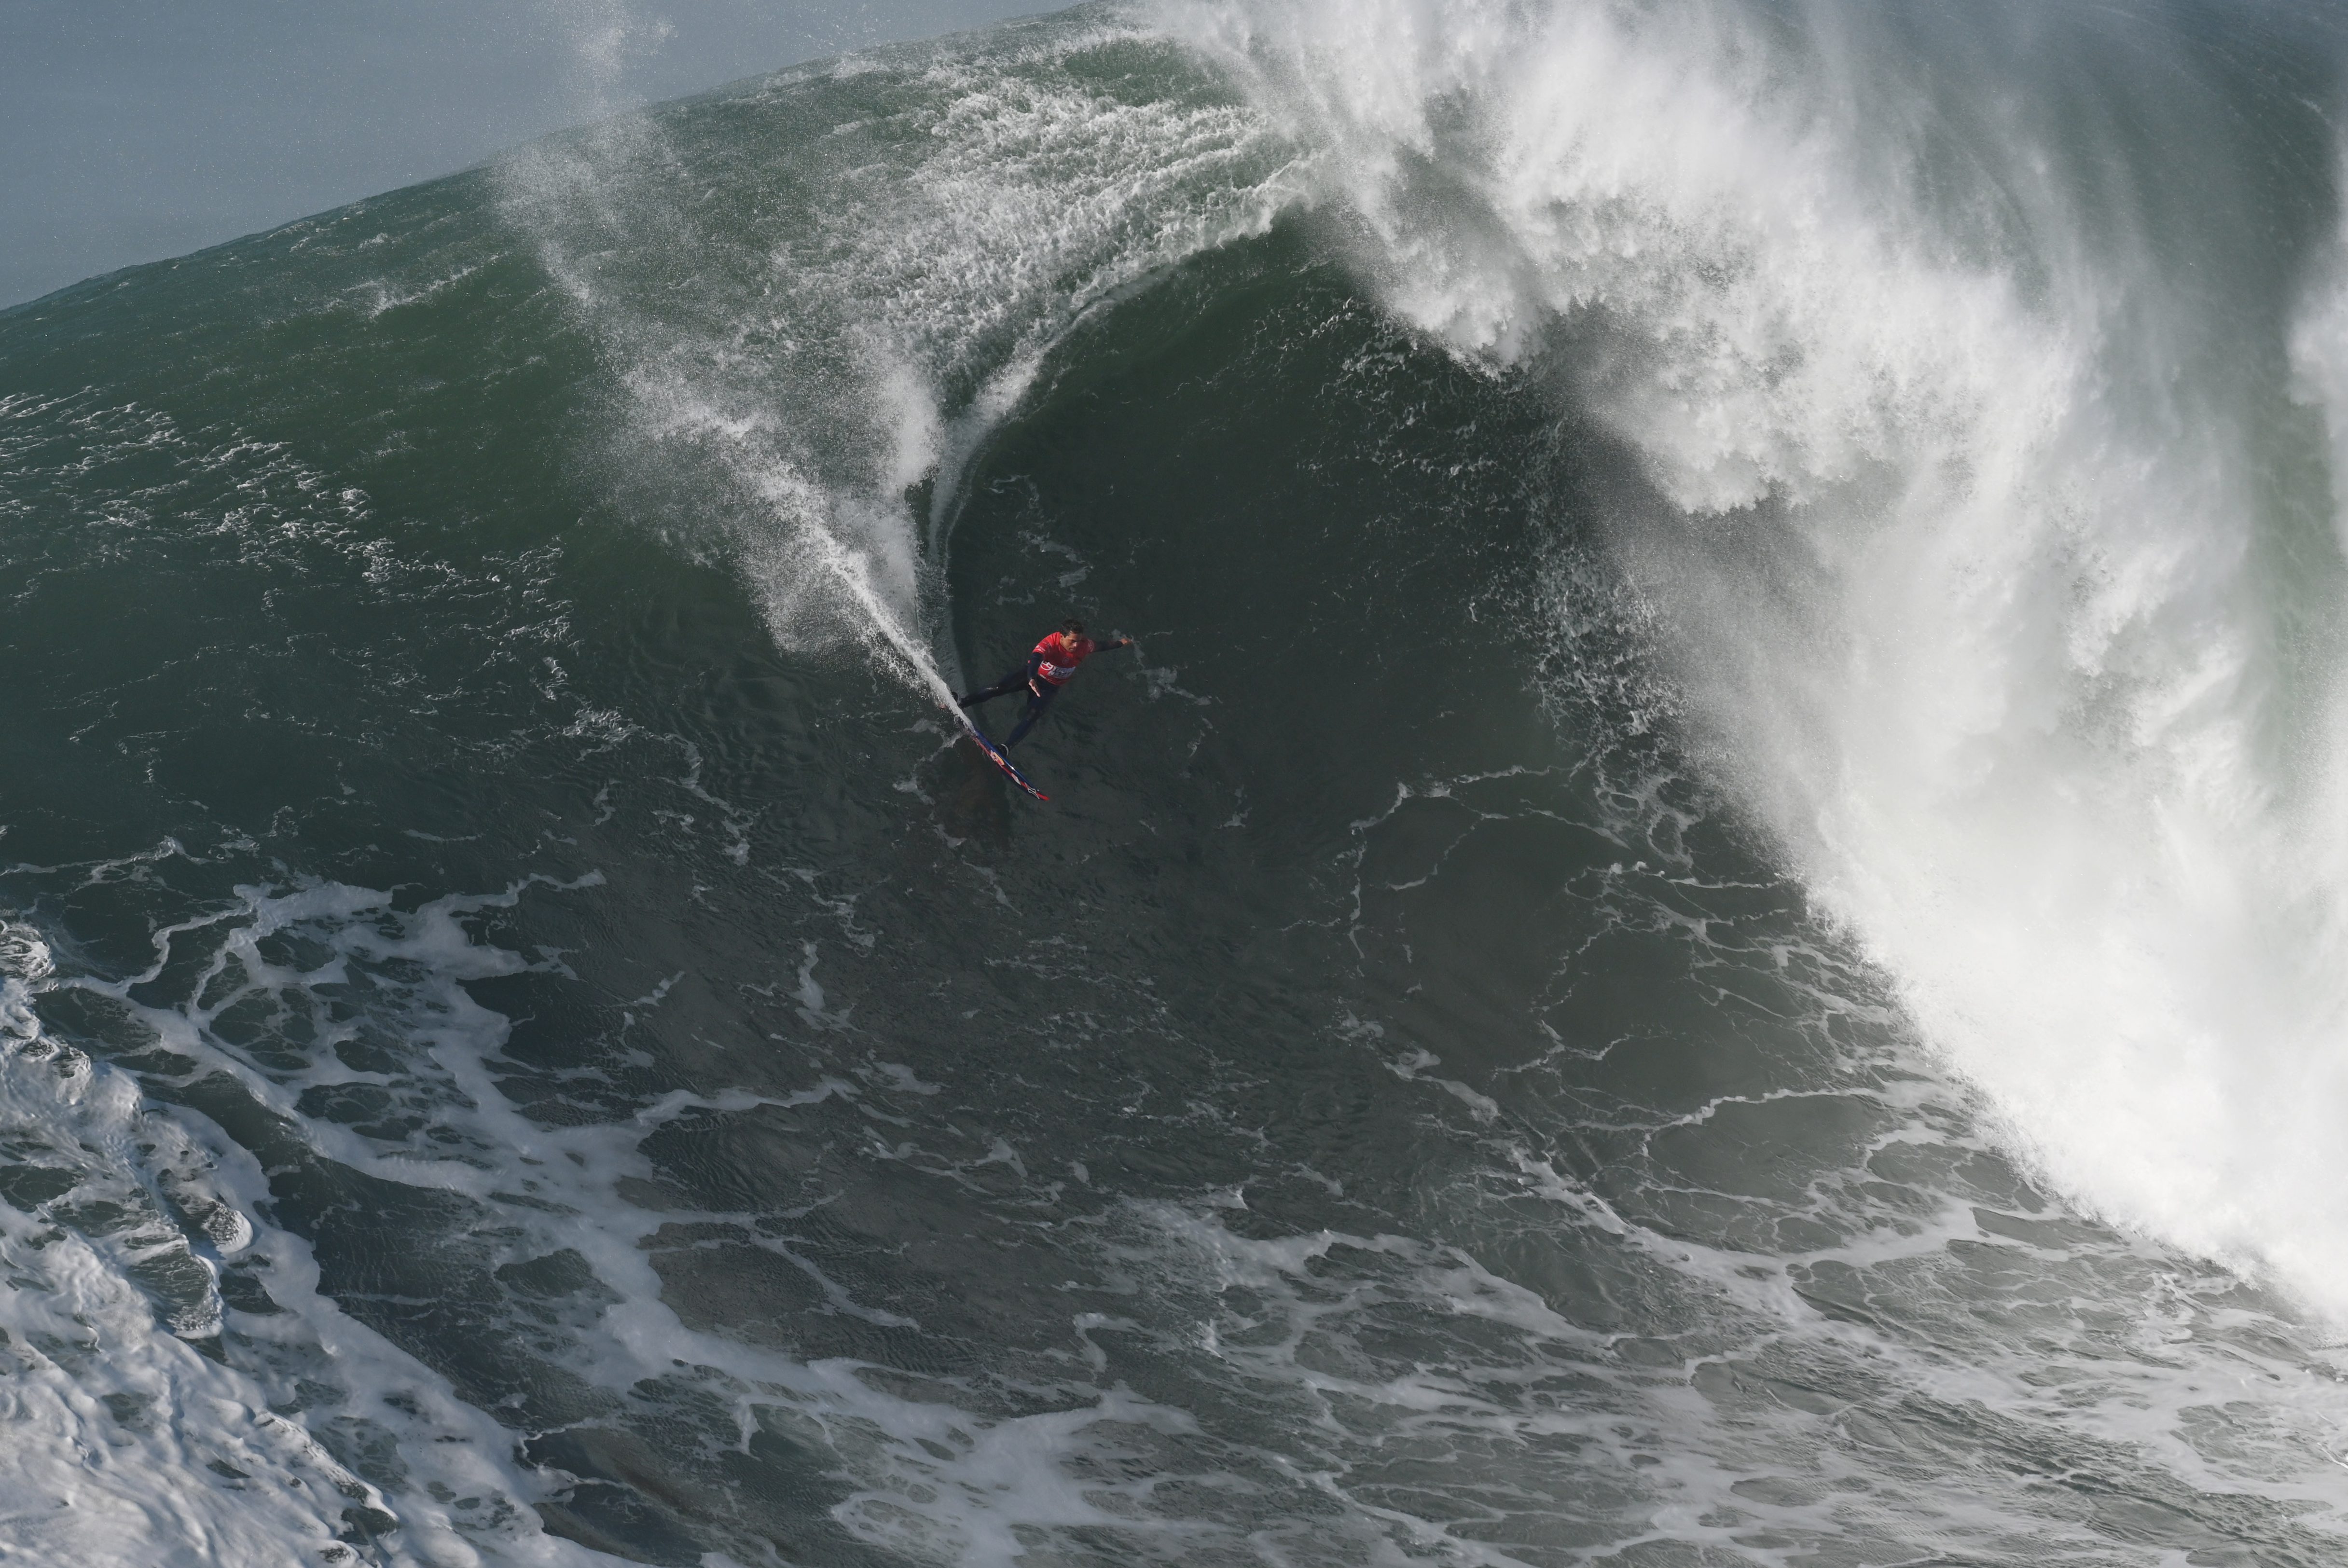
1040 691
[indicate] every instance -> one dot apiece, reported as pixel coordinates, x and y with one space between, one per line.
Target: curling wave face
1703 929
1992 540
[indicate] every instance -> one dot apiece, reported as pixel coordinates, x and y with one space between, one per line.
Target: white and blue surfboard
996 755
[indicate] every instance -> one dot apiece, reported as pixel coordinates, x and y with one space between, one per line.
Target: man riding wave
1047 668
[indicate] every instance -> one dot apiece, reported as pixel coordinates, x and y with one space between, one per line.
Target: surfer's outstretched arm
1048 668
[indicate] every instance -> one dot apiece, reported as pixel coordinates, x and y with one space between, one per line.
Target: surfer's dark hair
1073 626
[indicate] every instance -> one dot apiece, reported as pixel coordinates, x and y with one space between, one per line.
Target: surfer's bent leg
1003 688
1039 697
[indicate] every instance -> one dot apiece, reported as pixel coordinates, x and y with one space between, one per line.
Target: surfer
1046 671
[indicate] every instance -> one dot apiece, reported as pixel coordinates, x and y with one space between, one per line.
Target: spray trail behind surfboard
789 438
911 659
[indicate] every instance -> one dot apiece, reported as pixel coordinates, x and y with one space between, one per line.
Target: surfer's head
1072 627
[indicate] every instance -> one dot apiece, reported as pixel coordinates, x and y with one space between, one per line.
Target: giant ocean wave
1708 929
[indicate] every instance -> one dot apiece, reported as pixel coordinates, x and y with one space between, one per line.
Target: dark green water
529 1037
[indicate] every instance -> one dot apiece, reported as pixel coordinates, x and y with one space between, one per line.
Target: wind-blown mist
897 318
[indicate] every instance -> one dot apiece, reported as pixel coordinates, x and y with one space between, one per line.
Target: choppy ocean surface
1711 927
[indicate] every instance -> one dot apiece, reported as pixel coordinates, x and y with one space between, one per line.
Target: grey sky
135 129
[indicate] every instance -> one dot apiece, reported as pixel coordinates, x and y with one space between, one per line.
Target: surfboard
994 754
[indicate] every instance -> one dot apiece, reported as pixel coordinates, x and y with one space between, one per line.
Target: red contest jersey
1058 655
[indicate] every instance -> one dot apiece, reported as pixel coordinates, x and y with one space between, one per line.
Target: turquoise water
1702 931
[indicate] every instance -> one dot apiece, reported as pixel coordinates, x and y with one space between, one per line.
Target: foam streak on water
126 1445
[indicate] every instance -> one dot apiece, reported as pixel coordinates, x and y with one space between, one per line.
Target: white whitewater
1969 569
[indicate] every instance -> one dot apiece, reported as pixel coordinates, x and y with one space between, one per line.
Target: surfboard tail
996 755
